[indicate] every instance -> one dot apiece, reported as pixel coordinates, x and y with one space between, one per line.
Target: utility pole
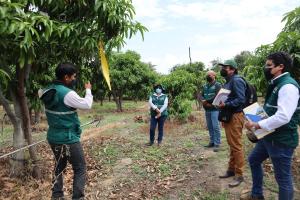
190 56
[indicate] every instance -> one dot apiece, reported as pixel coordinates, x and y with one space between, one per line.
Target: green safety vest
159 102
64 125
209 91
287 134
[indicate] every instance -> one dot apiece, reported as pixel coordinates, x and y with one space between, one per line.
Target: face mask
158 90
267 73
223 72
209 79
72 84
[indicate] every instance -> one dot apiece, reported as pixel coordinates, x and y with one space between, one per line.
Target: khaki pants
233 130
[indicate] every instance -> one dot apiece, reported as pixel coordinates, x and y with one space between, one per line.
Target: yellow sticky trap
104 64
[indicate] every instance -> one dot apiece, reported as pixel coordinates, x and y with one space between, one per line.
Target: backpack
251 95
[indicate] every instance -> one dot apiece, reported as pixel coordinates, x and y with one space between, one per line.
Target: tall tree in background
183 85
130 76
241 59
289 40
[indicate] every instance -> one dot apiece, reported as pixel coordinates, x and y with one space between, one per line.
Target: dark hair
235 69
281 58
64 69
157 86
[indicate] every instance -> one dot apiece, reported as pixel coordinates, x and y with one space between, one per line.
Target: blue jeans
74 154
153 123
281 158
213 127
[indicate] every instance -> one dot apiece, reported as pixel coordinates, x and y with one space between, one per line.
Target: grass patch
164 170
153 154
189 144
110 106
213 196
108 154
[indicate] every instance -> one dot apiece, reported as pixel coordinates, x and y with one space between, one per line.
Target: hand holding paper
255 113
221 97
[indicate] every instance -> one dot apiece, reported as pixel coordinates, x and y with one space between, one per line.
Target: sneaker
216 148
209 145
159 144
236 181
227 174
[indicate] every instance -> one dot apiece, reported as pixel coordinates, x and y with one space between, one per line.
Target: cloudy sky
212 28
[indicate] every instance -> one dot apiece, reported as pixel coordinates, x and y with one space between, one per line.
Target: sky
213 29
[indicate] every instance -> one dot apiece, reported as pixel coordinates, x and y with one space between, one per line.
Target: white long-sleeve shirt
164 107
73 100
288 96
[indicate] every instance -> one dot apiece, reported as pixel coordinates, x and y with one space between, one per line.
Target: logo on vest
275 90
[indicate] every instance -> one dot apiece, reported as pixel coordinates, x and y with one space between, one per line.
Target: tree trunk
120 103
17 160
117 99
199 102
37 116
21 76
30 115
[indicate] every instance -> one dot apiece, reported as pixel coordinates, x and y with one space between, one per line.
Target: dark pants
74 154
281 158
153 123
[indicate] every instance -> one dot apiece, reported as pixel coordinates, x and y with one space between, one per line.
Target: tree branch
7 107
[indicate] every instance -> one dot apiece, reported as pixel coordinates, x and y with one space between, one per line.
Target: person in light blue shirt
209 92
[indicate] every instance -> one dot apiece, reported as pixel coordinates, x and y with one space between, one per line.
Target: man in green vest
282 105
209 92
61 104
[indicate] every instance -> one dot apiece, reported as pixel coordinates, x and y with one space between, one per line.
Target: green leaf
6 74
27 38
22 59
12 28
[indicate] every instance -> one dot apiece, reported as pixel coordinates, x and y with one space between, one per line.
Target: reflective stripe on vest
60 113
271 106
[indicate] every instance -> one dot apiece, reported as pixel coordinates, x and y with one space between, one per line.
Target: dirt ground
120 166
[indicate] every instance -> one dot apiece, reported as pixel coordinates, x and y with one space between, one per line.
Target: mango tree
289 39
130 77
253 71
241 59
197 70
180 87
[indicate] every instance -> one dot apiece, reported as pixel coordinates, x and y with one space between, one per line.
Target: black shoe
57 198
216 148
236 181
251 197
228 174
209 145
149 144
